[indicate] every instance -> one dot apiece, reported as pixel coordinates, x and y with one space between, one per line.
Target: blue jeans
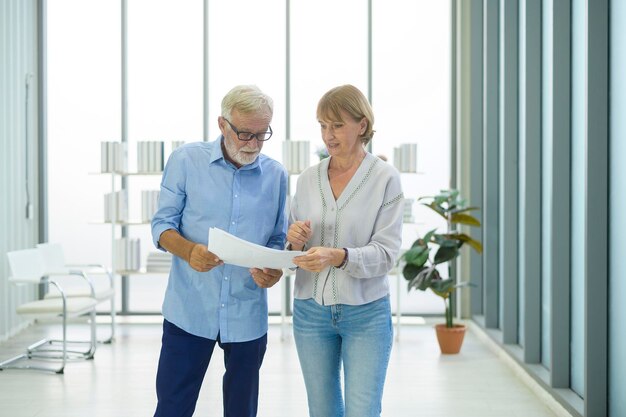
360 337
183 362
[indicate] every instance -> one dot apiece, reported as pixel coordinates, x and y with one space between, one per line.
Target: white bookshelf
140 190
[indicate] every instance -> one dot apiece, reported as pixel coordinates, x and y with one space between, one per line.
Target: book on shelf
127 254
158 262
116 203
405 157
113 156
149 204
150 156
296 155
408 211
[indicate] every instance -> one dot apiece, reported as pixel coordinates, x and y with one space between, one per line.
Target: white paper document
235 251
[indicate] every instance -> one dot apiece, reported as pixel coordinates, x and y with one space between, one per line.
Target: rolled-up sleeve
171 198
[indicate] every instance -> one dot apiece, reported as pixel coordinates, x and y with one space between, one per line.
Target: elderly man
226 184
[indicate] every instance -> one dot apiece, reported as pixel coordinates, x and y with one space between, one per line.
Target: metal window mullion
490 163
454 70
42 116
125 284
205 71
596 216
508 154
475 194
287 286
530 179
560 215
617 215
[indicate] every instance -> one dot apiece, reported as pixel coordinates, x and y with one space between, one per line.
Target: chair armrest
97 269
78 273
60 289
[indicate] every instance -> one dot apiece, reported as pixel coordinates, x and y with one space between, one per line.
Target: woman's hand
299 234
266 277
319 258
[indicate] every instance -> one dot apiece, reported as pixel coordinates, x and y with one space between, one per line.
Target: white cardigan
366 219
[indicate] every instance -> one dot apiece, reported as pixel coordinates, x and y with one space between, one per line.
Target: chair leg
44 349
112 315
24 358
92 348
38 351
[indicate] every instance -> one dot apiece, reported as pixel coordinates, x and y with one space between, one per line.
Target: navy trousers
184 361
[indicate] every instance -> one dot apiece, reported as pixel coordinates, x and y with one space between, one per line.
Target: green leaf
464 238
465 219
417 255
443 288
437 208
463 210
410 271
424 278
446 253
475 244
428 236
448 240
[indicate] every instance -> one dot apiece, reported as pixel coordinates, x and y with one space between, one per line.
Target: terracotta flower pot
450 339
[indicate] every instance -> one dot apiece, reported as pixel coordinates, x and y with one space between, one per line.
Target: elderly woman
347 216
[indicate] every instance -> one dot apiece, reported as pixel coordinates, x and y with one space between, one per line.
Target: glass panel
164 71
84 108
328 48
247 56
411 100
165 90
248 48
165 103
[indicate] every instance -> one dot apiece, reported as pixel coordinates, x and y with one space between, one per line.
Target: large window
411 101
329 46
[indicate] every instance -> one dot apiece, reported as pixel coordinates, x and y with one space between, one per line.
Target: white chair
54 262
27 268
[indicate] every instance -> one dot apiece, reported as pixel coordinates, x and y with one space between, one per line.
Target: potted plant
423 261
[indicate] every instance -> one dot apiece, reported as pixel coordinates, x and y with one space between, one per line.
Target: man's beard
240 155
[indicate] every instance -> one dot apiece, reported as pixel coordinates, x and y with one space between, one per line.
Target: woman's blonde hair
351 100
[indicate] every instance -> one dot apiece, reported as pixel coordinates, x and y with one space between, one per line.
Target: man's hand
318 258
266 277
299 234
202 260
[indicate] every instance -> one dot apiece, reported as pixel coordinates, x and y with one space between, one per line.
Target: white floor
119 381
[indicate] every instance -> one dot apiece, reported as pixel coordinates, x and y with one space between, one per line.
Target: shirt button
233 223
225 278
235 195
223 305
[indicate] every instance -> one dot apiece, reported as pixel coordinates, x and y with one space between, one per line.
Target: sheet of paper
235 251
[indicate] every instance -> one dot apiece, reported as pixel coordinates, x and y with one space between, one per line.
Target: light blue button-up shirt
199 190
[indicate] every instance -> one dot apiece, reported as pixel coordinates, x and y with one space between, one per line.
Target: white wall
17 60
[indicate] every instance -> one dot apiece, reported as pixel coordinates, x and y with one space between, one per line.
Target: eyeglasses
247 136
